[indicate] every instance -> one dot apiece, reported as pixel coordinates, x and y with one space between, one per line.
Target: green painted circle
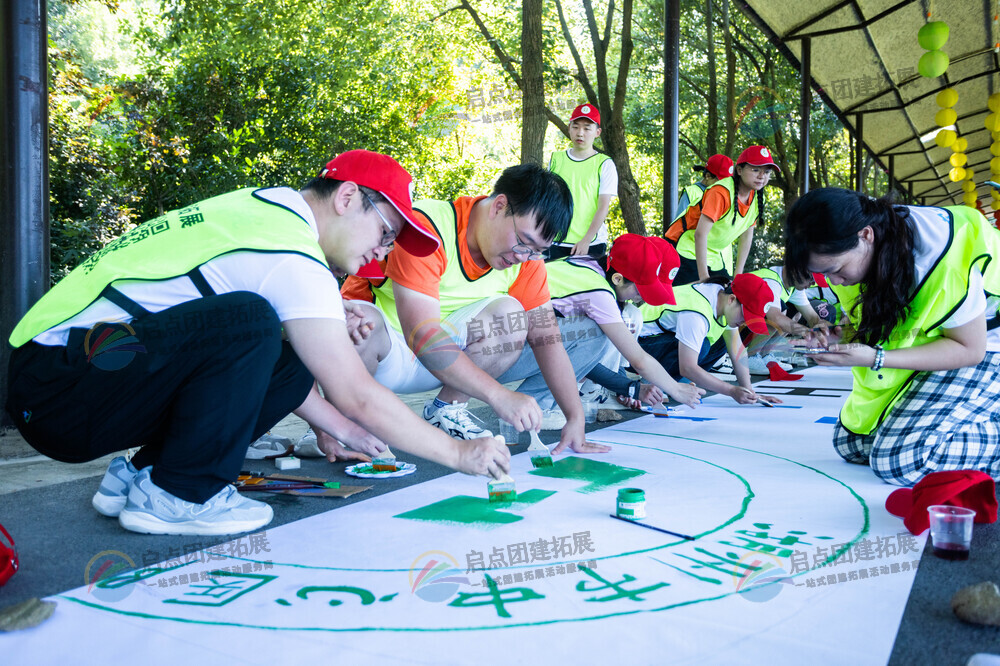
688 602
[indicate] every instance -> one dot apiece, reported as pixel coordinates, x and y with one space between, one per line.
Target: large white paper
794 559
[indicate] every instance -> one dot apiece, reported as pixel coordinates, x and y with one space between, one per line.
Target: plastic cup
509 432
590 411
951 531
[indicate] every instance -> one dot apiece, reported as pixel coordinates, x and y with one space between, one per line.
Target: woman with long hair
915 283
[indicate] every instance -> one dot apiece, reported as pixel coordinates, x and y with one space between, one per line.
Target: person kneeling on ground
924 348
687 338
170 339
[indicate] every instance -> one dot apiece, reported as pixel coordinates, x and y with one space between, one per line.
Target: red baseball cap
753 294
757 156
588 111
964 488
719 166
639 259
384 175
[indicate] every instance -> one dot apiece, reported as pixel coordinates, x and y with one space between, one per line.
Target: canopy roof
864 56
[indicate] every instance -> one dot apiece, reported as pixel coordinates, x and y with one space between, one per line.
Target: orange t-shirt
423 274
716 203
360 289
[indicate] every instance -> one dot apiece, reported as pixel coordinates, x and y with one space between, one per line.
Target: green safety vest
456 289
972 242
567 277
170 246
688 299
771 274
695 193
724 232
584 180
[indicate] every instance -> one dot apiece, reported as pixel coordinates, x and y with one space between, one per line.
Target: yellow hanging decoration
958 159
945 138
956 174
968 186
947 98
960 145
946 117
992 122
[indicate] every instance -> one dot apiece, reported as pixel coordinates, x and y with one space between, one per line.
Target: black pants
209 377
554 252
664 347
688 272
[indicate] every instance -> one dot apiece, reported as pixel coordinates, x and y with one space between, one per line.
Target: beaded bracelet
879 358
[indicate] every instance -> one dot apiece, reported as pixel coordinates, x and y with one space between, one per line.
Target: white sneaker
456 420
110 498
308 446
757 365
268 445
553 419
152 510
600 396
771 358
724 365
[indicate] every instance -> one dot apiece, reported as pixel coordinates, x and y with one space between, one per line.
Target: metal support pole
806 73
24 176
892 170
671 96
859 153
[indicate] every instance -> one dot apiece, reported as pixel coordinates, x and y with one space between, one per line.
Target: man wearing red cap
729 211
638 269
170 339
685 337
593 181
688 210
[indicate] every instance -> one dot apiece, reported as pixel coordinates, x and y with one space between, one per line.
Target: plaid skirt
947 420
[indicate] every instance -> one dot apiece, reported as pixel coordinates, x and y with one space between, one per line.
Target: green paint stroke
476 511
601 475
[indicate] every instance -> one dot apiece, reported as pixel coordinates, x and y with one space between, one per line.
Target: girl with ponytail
914 282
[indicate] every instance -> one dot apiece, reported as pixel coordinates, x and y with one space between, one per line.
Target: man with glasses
170 339
475 313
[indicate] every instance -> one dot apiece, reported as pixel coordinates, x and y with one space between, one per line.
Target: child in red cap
729 211
593 182
688 337
638 269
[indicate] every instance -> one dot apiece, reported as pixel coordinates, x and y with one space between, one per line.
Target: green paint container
631 503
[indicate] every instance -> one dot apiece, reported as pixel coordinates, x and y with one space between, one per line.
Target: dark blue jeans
663 348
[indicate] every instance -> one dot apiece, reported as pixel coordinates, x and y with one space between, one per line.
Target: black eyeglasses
389 235
521 248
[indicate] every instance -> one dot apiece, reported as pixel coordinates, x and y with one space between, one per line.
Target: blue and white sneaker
152 510
455 419
111 496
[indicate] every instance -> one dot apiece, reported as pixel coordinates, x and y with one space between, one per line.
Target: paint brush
540 456
384 462
502 489
278 487
652 527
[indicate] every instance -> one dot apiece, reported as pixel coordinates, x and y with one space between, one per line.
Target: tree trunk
730 80
534 119
712 137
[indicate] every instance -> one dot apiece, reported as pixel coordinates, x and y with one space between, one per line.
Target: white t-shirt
599 305
931 233
296 286
690 328
795 296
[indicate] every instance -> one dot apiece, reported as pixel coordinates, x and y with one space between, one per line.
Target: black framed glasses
521 248
389 235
